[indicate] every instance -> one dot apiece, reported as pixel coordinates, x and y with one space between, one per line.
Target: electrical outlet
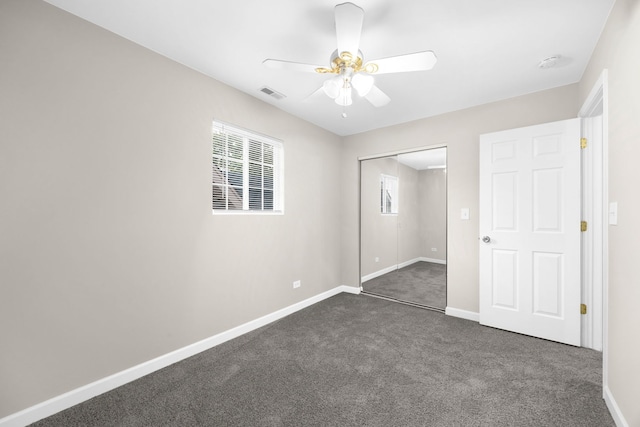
296 284
377 259
434 249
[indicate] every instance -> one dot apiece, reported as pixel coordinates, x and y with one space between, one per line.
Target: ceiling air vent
272 93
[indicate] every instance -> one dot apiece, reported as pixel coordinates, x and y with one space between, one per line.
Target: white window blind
247 171
388 194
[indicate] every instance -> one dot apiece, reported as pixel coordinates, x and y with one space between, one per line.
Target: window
247 171
388 194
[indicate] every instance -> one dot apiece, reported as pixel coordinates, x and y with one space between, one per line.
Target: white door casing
530 212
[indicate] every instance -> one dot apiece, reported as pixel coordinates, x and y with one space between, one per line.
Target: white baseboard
408 263
81 394
379 273
614 410
433 260
463 314
401 265
350 289
421 259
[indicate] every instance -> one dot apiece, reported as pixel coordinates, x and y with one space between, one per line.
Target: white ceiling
487 49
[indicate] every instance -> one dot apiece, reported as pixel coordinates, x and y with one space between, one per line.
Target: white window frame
278 171
389 184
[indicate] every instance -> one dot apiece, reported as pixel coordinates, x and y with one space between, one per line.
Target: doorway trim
595 197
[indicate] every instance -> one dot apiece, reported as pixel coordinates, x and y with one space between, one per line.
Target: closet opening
403 227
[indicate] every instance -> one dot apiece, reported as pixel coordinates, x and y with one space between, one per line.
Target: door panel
530 214
548 284
547 202
505 279
505 193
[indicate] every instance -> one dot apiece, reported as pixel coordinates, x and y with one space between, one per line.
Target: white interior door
530 230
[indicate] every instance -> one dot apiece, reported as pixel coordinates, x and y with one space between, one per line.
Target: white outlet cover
464 213
613 213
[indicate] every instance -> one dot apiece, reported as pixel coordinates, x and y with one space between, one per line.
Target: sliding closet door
379 218
403 227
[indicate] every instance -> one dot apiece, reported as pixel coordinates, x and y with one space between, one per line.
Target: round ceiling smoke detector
549 62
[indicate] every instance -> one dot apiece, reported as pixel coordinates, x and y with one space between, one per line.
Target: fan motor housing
345 60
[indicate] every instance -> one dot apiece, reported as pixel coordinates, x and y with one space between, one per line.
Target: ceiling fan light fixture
362 83
344 97
332 87
347 64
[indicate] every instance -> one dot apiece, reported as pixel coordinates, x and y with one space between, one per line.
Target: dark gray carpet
422 283
358 361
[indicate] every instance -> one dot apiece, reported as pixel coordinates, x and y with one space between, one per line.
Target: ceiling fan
348 65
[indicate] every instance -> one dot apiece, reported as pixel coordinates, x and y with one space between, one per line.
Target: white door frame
594 113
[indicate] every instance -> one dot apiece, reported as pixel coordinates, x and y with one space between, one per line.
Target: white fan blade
377 98
314 96
349 19
419 61
276 64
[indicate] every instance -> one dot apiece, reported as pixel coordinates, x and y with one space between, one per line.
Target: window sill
215 212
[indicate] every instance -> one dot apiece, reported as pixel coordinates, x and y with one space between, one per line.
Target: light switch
464 213
613 213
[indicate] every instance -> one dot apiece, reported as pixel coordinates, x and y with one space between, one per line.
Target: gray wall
109 253
432 199
408 215
617 51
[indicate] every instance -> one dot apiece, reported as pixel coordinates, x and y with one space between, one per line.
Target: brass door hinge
583 226
583 308
583 142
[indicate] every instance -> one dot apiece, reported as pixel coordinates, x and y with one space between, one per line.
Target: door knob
486 239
